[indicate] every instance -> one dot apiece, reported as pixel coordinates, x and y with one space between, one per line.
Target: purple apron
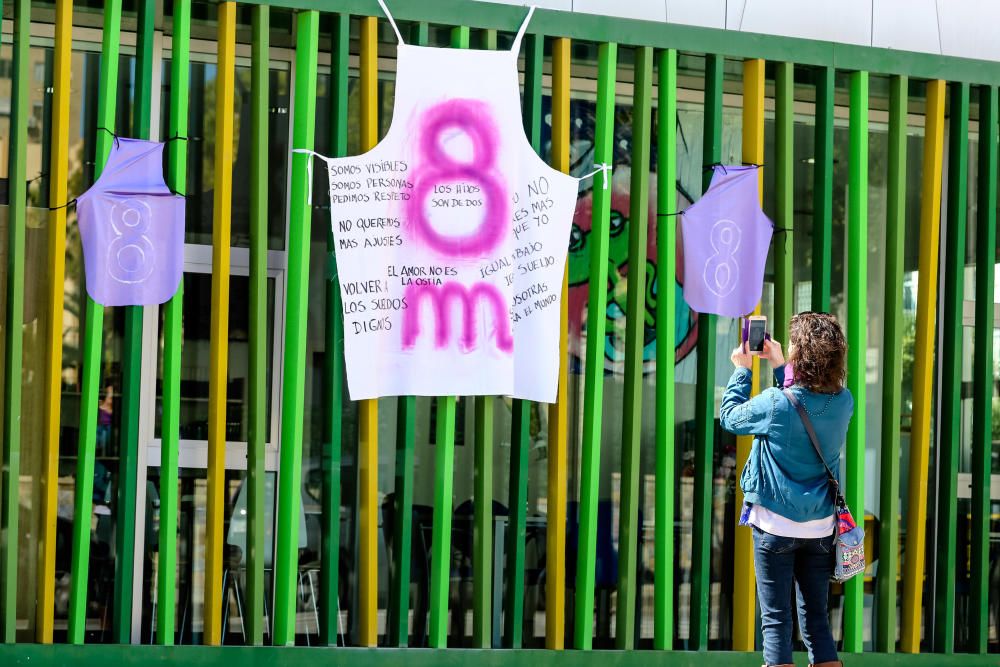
132 229
726 239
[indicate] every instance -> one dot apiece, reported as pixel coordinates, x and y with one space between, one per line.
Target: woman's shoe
832 663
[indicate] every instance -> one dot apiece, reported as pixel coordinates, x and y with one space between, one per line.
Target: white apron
451 237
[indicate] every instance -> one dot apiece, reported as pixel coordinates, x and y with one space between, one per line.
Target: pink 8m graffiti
472 118
438 167
441 295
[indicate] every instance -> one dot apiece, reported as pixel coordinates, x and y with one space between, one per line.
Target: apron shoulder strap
516 48
392 21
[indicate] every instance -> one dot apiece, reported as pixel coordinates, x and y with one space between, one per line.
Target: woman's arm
742 415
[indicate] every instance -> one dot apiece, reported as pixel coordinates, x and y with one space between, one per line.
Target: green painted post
482 547
128 476
444 475
92 337
784 137
593 403
822 259
444 478
983 373
180 61
892 370
701 560
406 411
482 534
534 62
333 360
517 530
286 552
399 585
951 369
260 20
635 326
666 302
10 486
857 327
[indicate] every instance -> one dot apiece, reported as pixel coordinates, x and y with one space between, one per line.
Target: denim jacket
783 473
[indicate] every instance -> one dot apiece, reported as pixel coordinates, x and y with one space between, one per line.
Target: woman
789 502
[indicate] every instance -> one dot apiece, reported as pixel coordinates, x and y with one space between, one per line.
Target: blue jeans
778 561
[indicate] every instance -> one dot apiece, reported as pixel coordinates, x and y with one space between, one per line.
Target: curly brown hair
817 352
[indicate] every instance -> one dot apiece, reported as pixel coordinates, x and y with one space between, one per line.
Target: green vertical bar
333 360
822 259
260 20
701 561
173 312
92 337
286 552
857 327
399 585
983 378
482 557
666 302
635 326
534 65
534 61
132 361
488 40
593 404
444 474
517 531
784 136
951 369
14 323
892 370
482 548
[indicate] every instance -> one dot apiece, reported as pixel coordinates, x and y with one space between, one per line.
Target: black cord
669 215
710 167
66 205
111 132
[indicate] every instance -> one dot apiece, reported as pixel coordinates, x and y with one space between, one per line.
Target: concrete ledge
115 655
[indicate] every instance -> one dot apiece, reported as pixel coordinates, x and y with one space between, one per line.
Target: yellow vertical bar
555 586
744 594
45 610
368 410
219 333
923 374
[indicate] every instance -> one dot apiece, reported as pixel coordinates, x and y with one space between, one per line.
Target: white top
773 523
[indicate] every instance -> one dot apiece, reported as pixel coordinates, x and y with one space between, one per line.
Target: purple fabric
726 239
132 229
789 376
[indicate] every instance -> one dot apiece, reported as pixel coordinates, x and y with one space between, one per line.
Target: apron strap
601 168
309 170
392 21
516 48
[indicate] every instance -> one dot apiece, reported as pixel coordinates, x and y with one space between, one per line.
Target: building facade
196 473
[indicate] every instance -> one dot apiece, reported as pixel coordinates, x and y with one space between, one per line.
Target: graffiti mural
686 333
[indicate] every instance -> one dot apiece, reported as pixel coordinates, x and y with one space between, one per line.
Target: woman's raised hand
772 353
741 357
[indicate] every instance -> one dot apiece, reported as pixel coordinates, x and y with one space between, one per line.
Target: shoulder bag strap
793 399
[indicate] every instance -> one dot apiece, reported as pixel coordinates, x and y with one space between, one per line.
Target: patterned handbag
850 556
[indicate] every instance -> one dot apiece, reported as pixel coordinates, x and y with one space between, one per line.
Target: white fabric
451 238
773 523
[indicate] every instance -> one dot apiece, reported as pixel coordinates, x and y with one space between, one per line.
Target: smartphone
754 333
